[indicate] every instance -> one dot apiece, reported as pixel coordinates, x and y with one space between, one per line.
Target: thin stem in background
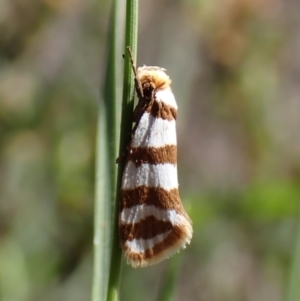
167 288
293 288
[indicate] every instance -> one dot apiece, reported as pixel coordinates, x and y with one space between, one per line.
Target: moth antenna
138 86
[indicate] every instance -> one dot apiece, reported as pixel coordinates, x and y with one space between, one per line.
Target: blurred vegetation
235 69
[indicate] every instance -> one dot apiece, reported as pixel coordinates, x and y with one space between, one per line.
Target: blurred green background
235 69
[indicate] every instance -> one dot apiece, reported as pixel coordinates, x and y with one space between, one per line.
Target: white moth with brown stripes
153 224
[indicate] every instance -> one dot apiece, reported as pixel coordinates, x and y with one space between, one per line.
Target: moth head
153 78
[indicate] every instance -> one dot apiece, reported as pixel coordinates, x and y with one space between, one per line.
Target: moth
153 224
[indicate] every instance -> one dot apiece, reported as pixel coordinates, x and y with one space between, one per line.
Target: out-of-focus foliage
235 71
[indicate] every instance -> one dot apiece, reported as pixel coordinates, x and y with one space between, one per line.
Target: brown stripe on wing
161 110
154 196
173 238
177 239
153 155
145 229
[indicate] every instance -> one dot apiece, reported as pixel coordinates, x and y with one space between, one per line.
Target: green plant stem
293 287
126 126
102 211
106 153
